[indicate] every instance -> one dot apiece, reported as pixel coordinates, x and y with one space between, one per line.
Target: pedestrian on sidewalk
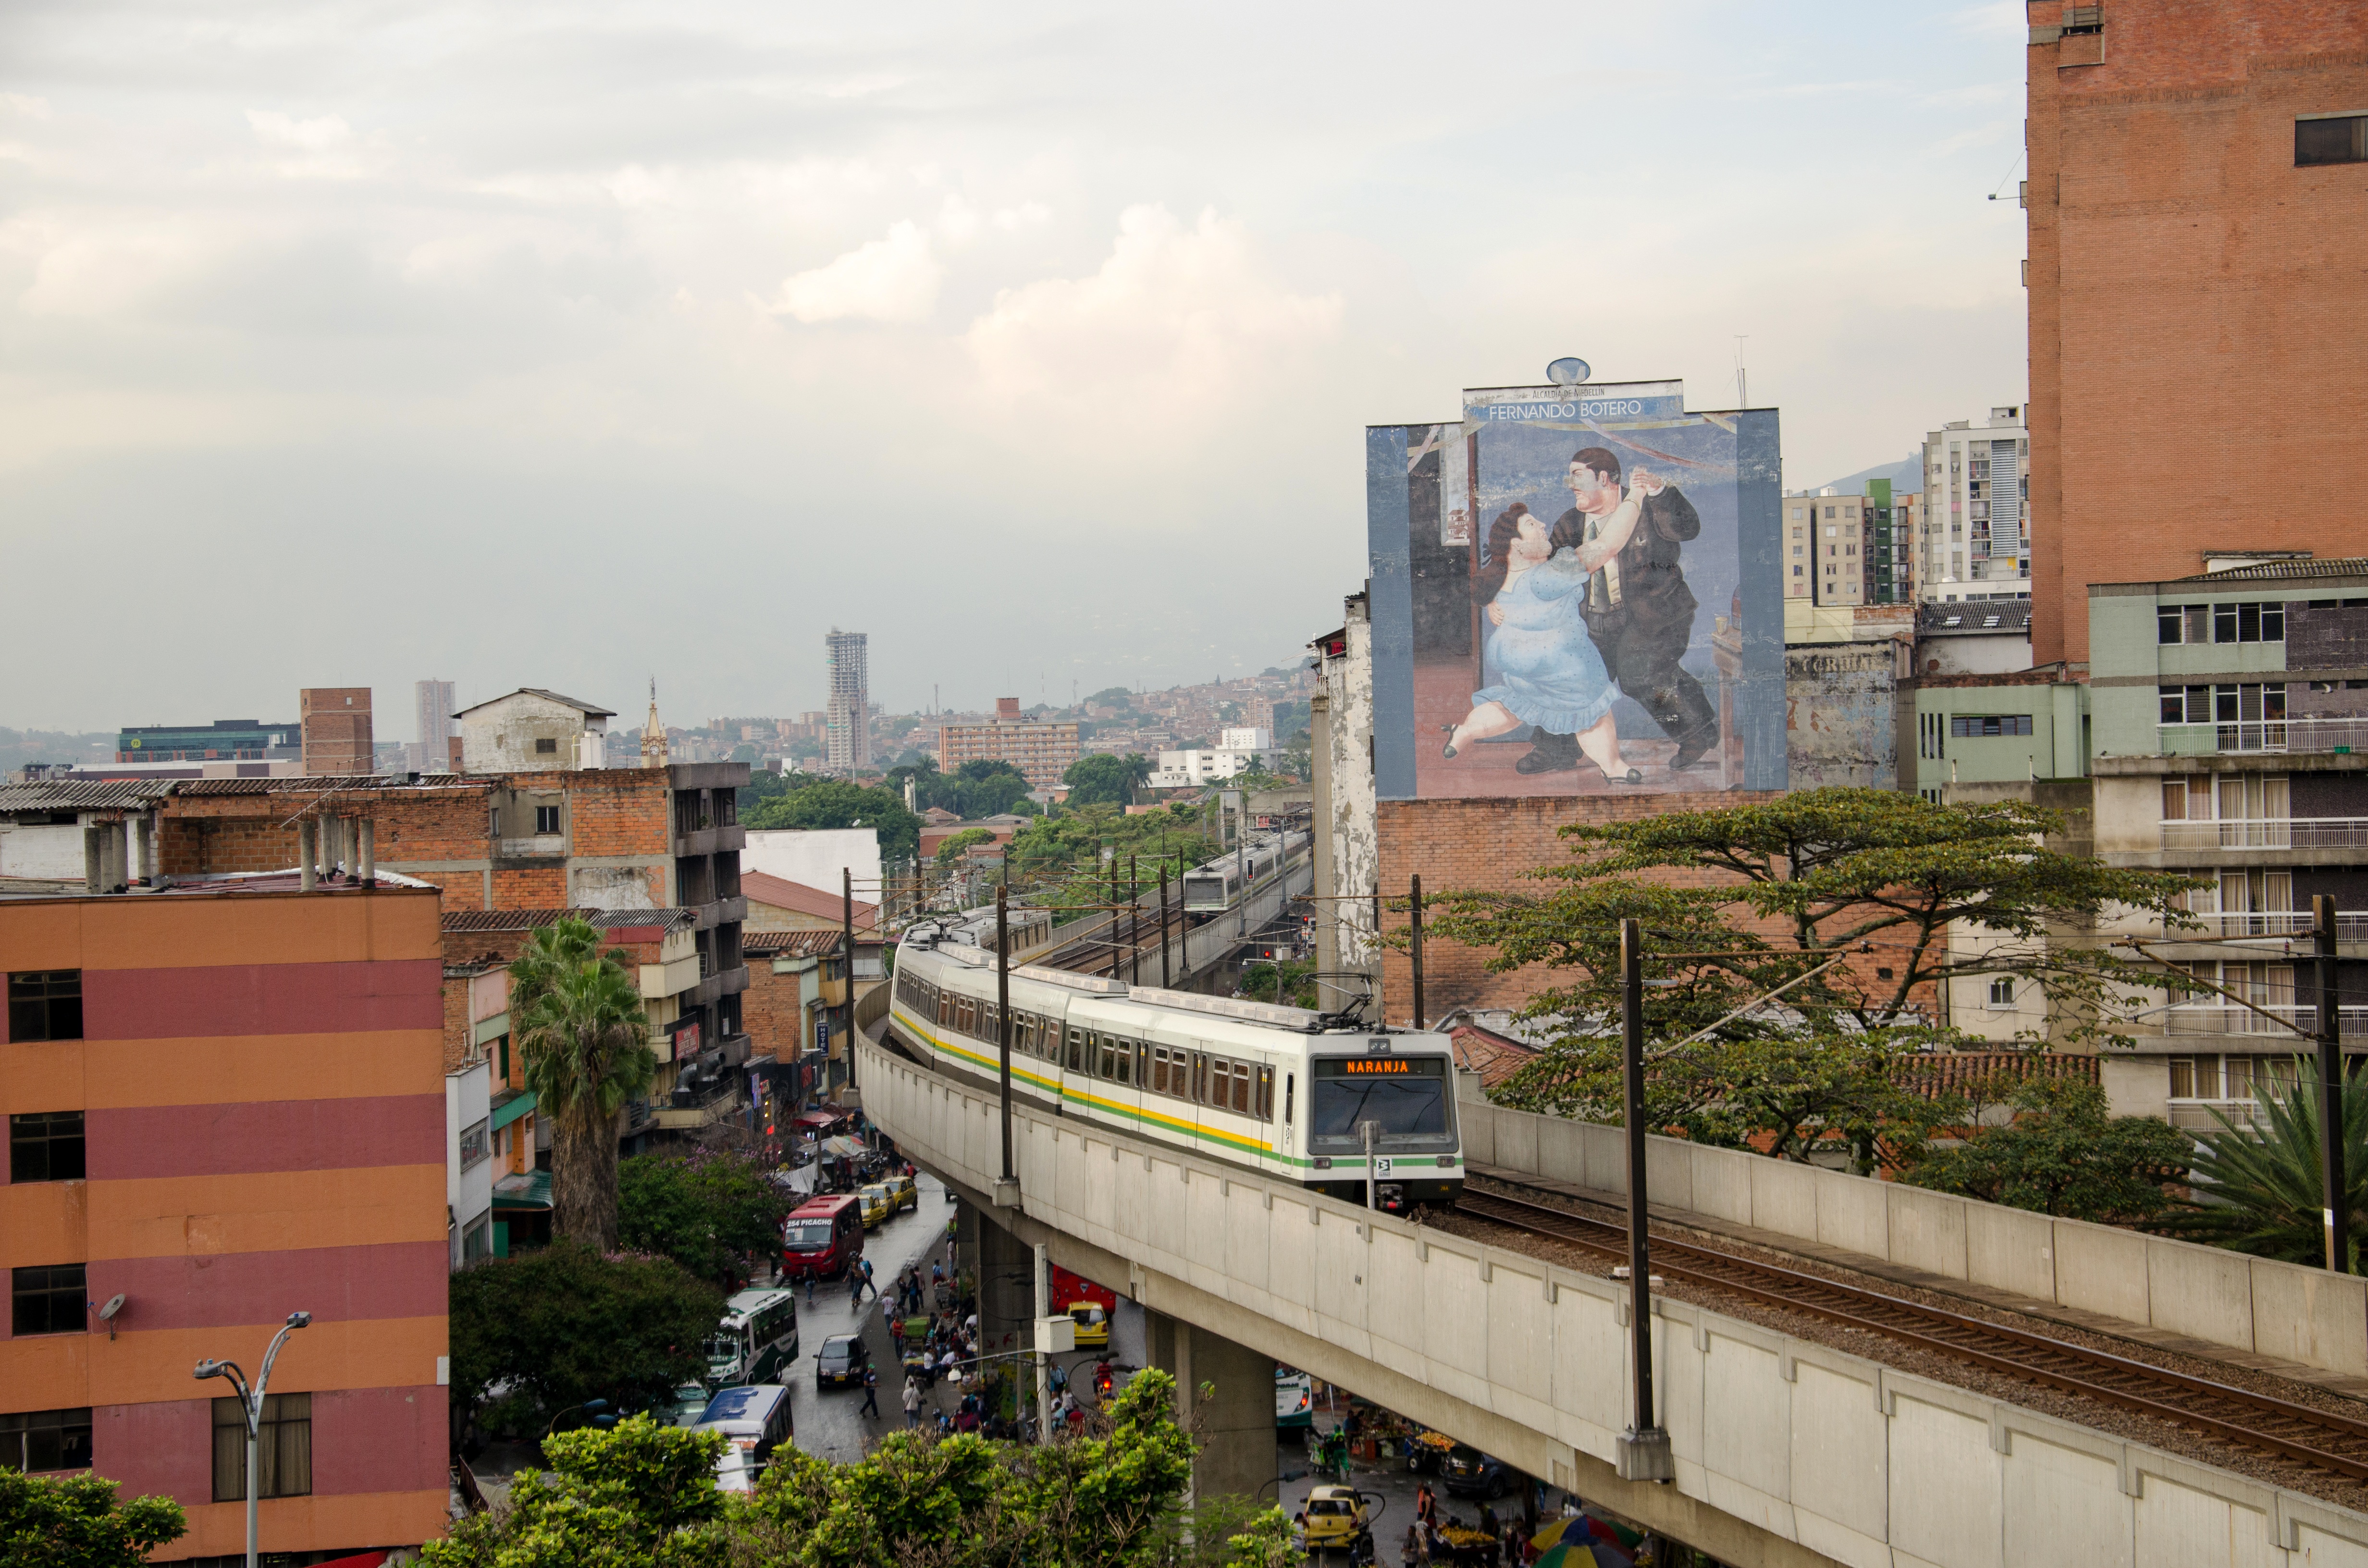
867 1280
870 1392
911 1401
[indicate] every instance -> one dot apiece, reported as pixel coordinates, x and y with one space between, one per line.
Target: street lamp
250 1404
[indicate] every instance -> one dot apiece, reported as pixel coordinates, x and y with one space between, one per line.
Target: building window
475 1146
45 1004
2002 991
45 1300
283 1449
546 747
476 1242
1975 724
2331 139
45 1145
35 1440
546 819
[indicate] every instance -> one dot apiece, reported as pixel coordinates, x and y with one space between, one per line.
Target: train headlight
1321 1162
1447 1161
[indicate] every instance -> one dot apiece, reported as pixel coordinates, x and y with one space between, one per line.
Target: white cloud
1175 316
1997 18
24 105
323 148
893 278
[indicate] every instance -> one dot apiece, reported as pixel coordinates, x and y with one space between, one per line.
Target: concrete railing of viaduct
1786 1451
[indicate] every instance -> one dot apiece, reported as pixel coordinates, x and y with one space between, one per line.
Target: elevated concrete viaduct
1788 1453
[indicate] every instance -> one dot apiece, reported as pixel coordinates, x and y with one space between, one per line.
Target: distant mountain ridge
1907 474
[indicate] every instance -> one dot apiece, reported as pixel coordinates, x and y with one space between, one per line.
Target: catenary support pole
1414 946
1133 924
1643 1449
1043 1362
1164 978
847 946
1003 1014
2334 1179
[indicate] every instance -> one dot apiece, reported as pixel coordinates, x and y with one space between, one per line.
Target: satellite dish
1567 372
114 1305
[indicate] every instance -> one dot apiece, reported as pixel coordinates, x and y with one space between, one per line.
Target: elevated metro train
1213 887
1277 1090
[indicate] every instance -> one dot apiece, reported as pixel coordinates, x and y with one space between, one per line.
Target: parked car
877 1205
905 1192
688 1404
841 1362
1339 1518
1468 1473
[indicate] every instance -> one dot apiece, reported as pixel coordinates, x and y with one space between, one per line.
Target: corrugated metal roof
323 783
535 919
86 794
2348 566
789 944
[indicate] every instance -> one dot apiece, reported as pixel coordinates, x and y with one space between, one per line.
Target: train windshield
1408 1096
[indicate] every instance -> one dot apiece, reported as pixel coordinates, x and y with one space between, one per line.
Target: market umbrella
1579 1551
844 1147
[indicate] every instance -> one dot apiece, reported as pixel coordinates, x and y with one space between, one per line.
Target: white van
754 1420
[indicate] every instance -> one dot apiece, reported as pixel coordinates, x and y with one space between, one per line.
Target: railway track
2334 1443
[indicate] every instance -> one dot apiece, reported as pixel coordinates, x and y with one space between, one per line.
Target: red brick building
2196 323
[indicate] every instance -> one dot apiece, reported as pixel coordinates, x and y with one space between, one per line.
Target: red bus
824 1237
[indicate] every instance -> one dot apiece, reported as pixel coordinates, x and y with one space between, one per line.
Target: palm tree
585 1040
2258 1188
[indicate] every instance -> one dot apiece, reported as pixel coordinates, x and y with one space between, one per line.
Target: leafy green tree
951 849
2064 1153
835 803
2258 1188
642 1495
1298 983
74 1521
1843 897
583 1035
1104 779
715 1211
563 1325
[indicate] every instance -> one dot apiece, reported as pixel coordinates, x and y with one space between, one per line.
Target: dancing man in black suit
1639 611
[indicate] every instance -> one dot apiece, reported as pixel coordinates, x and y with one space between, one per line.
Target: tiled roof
789 944
1948 1070
2349 566
85 794
1489 1053
780 893
462 920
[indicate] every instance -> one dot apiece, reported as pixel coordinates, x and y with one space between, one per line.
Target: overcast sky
563 346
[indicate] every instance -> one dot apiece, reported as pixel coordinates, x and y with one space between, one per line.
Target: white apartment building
1235 754
1976 539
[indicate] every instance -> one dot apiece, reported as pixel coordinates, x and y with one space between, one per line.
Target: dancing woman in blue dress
1540 665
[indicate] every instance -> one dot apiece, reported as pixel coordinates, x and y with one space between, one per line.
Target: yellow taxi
1335 1518
1093 1325
877 1205
903 1192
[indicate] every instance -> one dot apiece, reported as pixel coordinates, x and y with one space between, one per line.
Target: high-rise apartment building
1977 539
2195 229
433 751
1040 750
1829 543
847 735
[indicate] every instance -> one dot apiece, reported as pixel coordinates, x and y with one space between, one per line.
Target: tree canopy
2258 1188
819 802
975 790
644 1495
1104 779
715 1211
75 1521
1843 898
2064 1153
583 1035
564 1324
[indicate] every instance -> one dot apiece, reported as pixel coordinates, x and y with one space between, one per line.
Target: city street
826 1421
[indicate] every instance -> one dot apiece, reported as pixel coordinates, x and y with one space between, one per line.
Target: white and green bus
756 1340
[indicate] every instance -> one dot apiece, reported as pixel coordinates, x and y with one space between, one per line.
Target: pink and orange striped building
225 1102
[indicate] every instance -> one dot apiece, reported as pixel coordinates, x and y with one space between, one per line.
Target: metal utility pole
1133 924
250 1404
2334 1179
1003 1016
1164 981
1368 1133
1643 1449
1416 905
847 943
1043 1362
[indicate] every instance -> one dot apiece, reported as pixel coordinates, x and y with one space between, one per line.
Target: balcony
2339 737
2196 1116
2349 927
2268 832
707 840
2287 1021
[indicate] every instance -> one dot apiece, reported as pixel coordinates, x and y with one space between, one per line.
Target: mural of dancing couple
1588 588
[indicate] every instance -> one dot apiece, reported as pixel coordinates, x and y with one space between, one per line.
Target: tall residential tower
846 737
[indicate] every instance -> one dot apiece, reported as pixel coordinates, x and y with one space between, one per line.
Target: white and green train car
1281 1090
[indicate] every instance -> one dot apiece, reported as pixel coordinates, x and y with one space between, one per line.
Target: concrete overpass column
968 1224
1007 1296
1226 1392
